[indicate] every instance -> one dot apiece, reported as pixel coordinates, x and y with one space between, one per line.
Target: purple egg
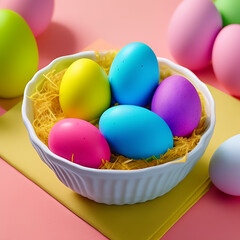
177 101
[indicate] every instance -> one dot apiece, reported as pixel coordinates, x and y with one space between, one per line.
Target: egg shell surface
135 132
18 54
79 141
37 13
192 31
84 91
229 10
177 101
134 74
226 58
224 166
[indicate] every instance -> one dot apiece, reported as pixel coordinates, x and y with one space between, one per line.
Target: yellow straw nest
47 112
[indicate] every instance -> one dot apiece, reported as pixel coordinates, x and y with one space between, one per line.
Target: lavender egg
177 102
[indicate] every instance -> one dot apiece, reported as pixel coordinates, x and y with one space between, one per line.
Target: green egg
230 11
18 54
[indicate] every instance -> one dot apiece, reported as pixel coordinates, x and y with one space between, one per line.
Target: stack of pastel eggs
196 38
142 123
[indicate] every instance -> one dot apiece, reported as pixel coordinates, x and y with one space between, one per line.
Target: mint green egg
230 11
18 54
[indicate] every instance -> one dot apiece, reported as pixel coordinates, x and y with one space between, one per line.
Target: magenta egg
177 101
79 141
192 31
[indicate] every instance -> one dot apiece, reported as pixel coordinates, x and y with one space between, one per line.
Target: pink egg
226 58
192 31
177 102
37 13
79 141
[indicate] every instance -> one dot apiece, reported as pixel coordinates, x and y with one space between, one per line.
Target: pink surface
26 211
2 111
215 216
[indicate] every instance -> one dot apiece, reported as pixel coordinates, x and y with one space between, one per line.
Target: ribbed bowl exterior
118 186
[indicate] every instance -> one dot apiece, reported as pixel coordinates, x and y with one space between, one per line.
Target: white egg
224 168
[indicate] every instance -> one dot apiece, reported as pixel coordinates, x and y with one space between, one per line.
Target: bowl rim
91 54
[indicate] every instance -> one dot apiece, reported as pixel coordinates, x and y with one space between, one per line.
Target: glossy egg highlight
134 74
135 132
226 58
224 166
84 91
192 31
177 101
79 141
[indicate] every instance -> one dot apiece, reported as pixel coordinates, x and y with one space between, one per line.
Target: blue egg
134 75
135 132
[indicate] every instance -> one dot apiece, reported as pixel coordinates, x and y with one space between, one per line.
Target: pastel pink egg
79 141
226 58
192 31
37 13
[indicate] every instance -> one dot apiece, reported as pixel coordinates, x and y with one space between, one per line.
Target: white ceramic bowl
118 186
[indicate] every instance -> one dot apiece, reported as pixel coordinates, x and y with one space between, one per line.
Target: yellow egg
85 90
18 54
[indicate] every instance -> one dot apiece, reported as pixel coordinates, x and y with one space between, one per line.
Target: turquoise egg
134 74
135 132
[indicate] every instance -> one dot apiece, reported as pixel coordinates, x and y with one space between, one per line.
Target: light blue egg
135 132
134 74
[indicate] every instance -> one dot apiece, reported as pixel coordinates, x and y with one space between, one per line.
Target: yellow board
148 220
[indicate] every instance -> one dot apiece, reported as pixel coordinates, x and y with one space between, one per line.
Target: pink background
26 211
